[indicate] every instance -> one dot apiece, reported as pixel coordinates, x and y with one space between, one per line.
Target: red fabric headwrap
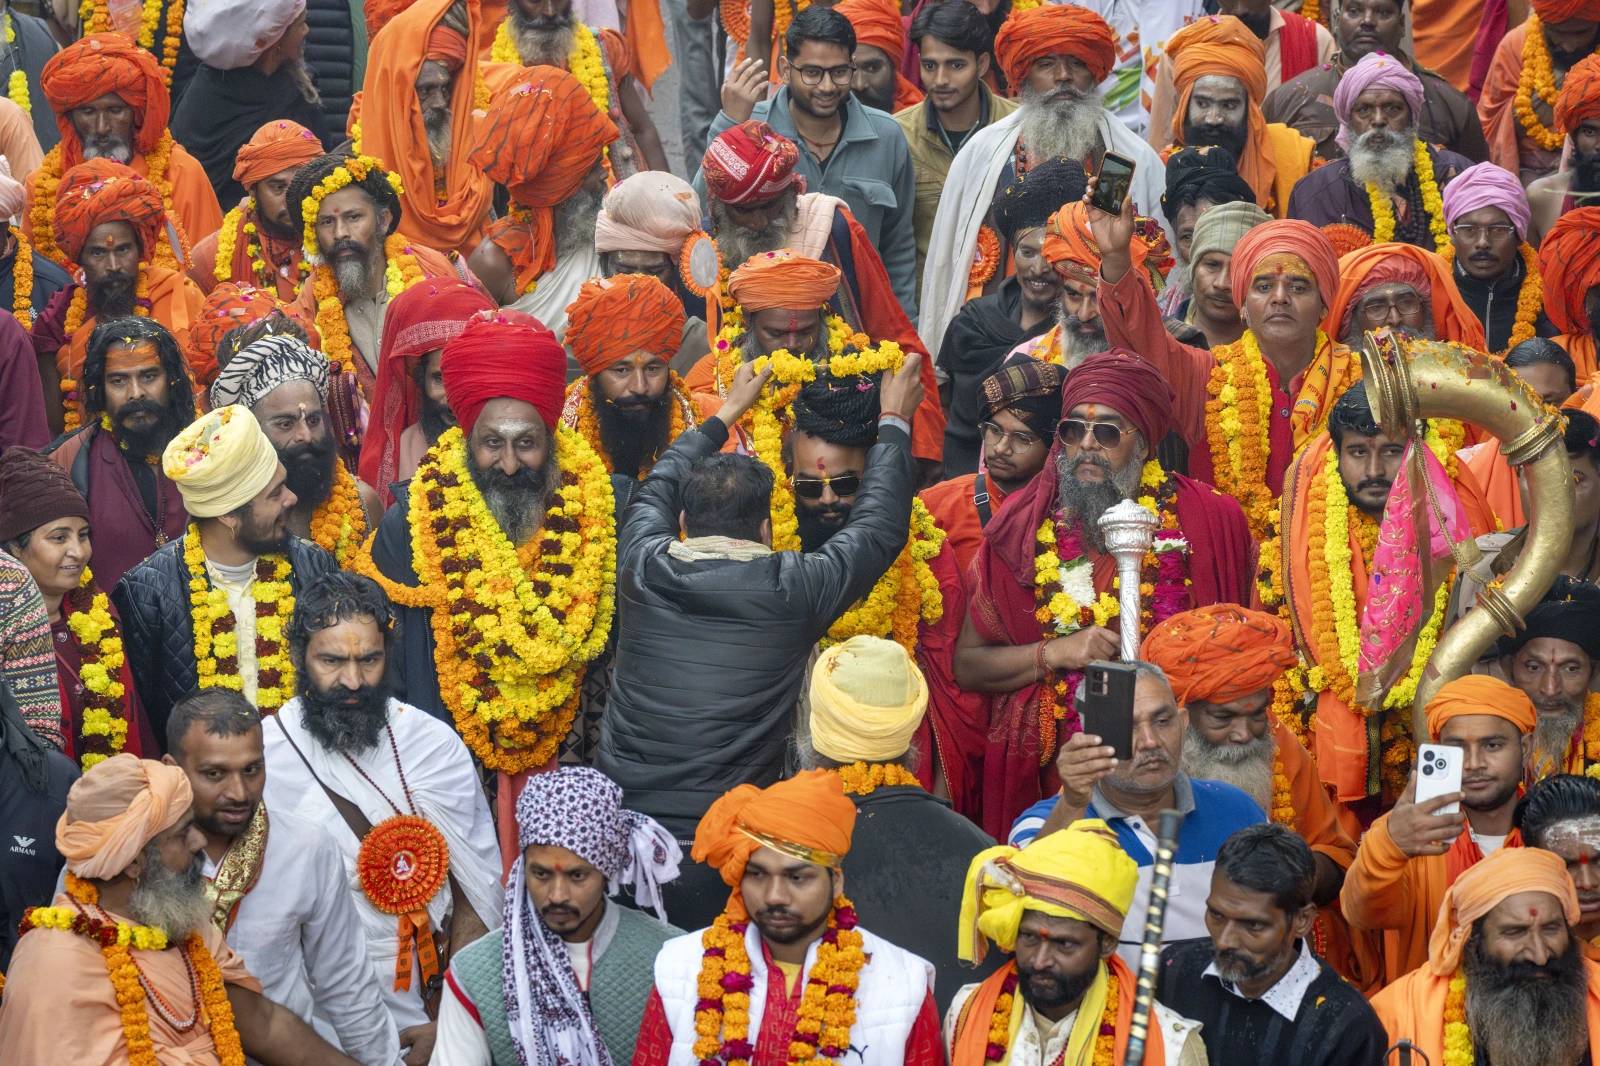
102 191
1128 385
504 355
448 47
750 164
104 63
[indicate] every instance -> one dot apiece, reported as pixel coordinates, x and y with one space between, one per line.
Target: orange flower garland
1538 79
1282 811
578 413
1530 299
1105 1040
1238 426
45 182
1588 757
1458 1046
22 279
340 524
985 261
865 778
241 221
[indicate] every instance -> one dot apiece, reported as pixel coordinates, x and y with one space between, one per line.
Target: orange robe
950 503
1509 145
175 302
60 1005
1581 347
1499 482
1443 35
203 266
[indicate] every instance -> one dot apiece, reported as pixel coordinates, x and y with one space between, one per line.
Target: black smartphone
1115 180
1106 707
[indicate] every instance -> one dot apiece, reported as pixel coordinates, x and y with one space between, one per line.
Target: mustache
346 246
1375 483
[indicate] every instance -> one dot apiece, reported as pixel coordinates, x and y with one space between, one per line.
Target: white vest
892 988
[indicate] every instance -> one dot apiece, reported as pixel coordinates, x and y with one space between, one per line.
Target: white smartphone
1438 774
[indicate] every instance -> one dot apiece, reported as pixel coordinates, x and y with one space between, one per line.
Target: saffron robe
1509 145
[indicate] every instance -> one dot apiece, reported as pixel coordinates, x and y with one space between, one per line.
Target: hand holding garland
743 394
900 393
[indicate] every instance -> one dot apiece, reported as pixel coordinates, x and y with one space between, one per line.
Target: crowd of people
488 579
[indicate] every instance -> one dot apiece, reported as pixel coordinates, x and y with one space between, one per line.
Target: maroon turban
1128 385
504 355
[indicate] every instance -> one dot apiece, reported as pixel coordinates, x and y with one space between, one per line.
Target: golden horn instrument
1409 380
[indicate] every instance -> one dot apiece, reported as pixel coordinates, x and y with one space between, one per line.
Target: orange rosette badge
403 863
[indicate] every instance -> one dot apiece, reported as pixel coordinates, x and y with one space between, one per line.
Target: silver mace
1129 530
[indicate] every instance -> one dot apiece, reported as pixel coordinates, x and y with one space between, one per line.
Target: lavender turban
1487 185
1375 71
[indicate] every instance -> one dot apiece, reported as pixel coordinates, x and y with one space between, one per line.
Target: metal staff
1129 530
1155 919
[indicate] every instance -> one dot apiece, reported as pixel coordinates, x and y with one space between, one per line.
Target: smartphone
1106 707
1116 178
1438 774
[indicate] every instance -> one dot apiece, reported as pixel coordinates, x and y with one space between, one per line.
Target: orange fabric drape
1445 31
175 303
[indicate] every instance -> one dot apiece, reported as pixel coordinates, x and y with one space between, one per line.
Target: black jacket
152 600
711 654
224 108
1495 304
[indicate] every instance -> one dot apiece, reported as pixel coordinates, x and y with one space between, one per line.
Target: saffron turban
1054 30
446 46
1375 70
1220 653
1027 387
783 279
1288 236
226 308
1579 97
503 355
229 34
614 317
115 809
103 63
867 699
266 363
1220 228
1129 385
1550 11
278 146
1366 268
1569 259
220 462
1487 185
750 164
379 13
1080 872
651 211
34 491
1570 611
1486 884
1480 694
101 191
1070 247
807 817
878 24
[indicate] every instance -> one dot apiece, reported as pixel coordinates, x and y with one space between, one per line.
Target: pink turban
1486 185
651 211
115 809
1375 71
1290 236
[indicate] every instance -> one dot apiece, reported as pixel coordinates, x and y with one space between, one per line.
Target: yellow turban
1080 872
115 809
867 699
220 462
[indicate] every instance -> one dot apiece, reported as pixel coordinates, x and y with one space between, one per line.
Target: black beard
113 295
308 471
436 418
1063 991
1585 172
1258 24
634 437
1233 138
258 544
344 721
814 532
1526 1015
283 231
144 442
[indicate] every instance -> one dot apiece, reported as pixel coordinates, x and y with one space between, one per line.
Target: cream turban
115 809
867 699
652 211
229 34
220 462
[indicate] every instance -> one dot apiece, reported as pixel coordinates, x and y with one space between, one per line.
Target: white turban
229 34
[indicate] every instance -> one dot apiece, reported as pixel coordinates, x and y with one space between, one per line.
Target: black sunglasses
812 488
1075 431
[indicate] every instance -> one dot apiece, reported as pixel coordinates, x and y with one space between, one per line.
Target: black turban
1036 195
1202 173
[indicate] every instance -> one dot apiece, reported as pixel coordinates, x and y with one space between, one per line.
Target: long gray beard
300 74
168 899
1075 347
1061 124
355 279
1527 1022
575 219
738 244
1383 158
540 47
1245 766
438 137
1552 735
1089 500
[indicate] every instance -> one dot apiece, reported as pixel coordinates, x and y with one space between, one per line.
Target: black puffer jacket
152 600
336 52
711 654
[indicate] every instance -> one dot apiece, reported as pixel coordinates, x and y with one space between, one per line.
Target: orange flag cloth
782 279
1429 274
877 24
614 317
1220 653
1051 30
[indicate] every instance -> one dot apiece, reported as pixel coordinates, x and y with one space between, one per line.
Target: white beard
1245 766
1382 158
1061 124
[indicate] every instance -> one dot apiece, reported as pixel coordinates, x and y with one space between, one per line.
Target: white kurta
559 287
444 783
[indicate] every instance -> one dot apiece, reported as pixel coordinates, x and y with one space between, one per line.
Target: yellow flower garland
104 725
1383 220
340 524
1239 427
95 16
263 275
513 627
216 640
1538 78
1458 1049
17 84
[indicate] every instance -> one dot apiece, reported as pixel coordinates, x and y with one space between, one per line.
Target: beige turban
220 462
652 211
867 699
115 809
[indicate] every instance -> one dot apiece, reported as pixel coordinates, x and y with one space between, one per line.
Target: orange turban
1054 30
1480 694
1381 264
379 13
1569 258
1486 884
1289 236
877 23
278 146
227 307
1550 11
1579 98
783 279
1222 45
448 47
1069 246
542 138
102 191
808 816
1220 653
115 809
614 317
104 63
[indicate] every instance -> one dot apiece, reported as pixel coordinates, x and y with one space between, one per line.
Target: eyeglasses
1468 233
993 434
1075 431
813 75
812 488
1377 309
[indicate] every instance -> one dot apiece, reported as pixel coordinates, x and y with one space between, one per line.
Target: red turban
878 24
1291 236
1382 264
1220 653
614 317
1480 694
1569 259
102 191
422 319
1579 98
750 164
1127 384
783 279
504 355
542 138
1054 30
104 63
278 146
446 46
1552 11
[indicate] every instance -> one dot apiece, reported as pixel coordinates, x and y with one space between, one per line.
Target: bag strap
358 823
980 499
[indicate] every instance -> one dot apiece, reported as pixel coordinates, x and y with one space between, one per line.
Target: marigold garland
1530 299
263 275
1458 1047
22 278
1239 426
1282 811
46 181
1538 79
103 728
1105 1040
1589 755
400 273
736 19
340 524
585 62
578 413
216 640
513 627
1383 220
862 778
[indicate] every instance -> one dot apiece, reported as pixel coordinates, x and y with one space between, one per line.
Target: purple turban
1487 185
1375 71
